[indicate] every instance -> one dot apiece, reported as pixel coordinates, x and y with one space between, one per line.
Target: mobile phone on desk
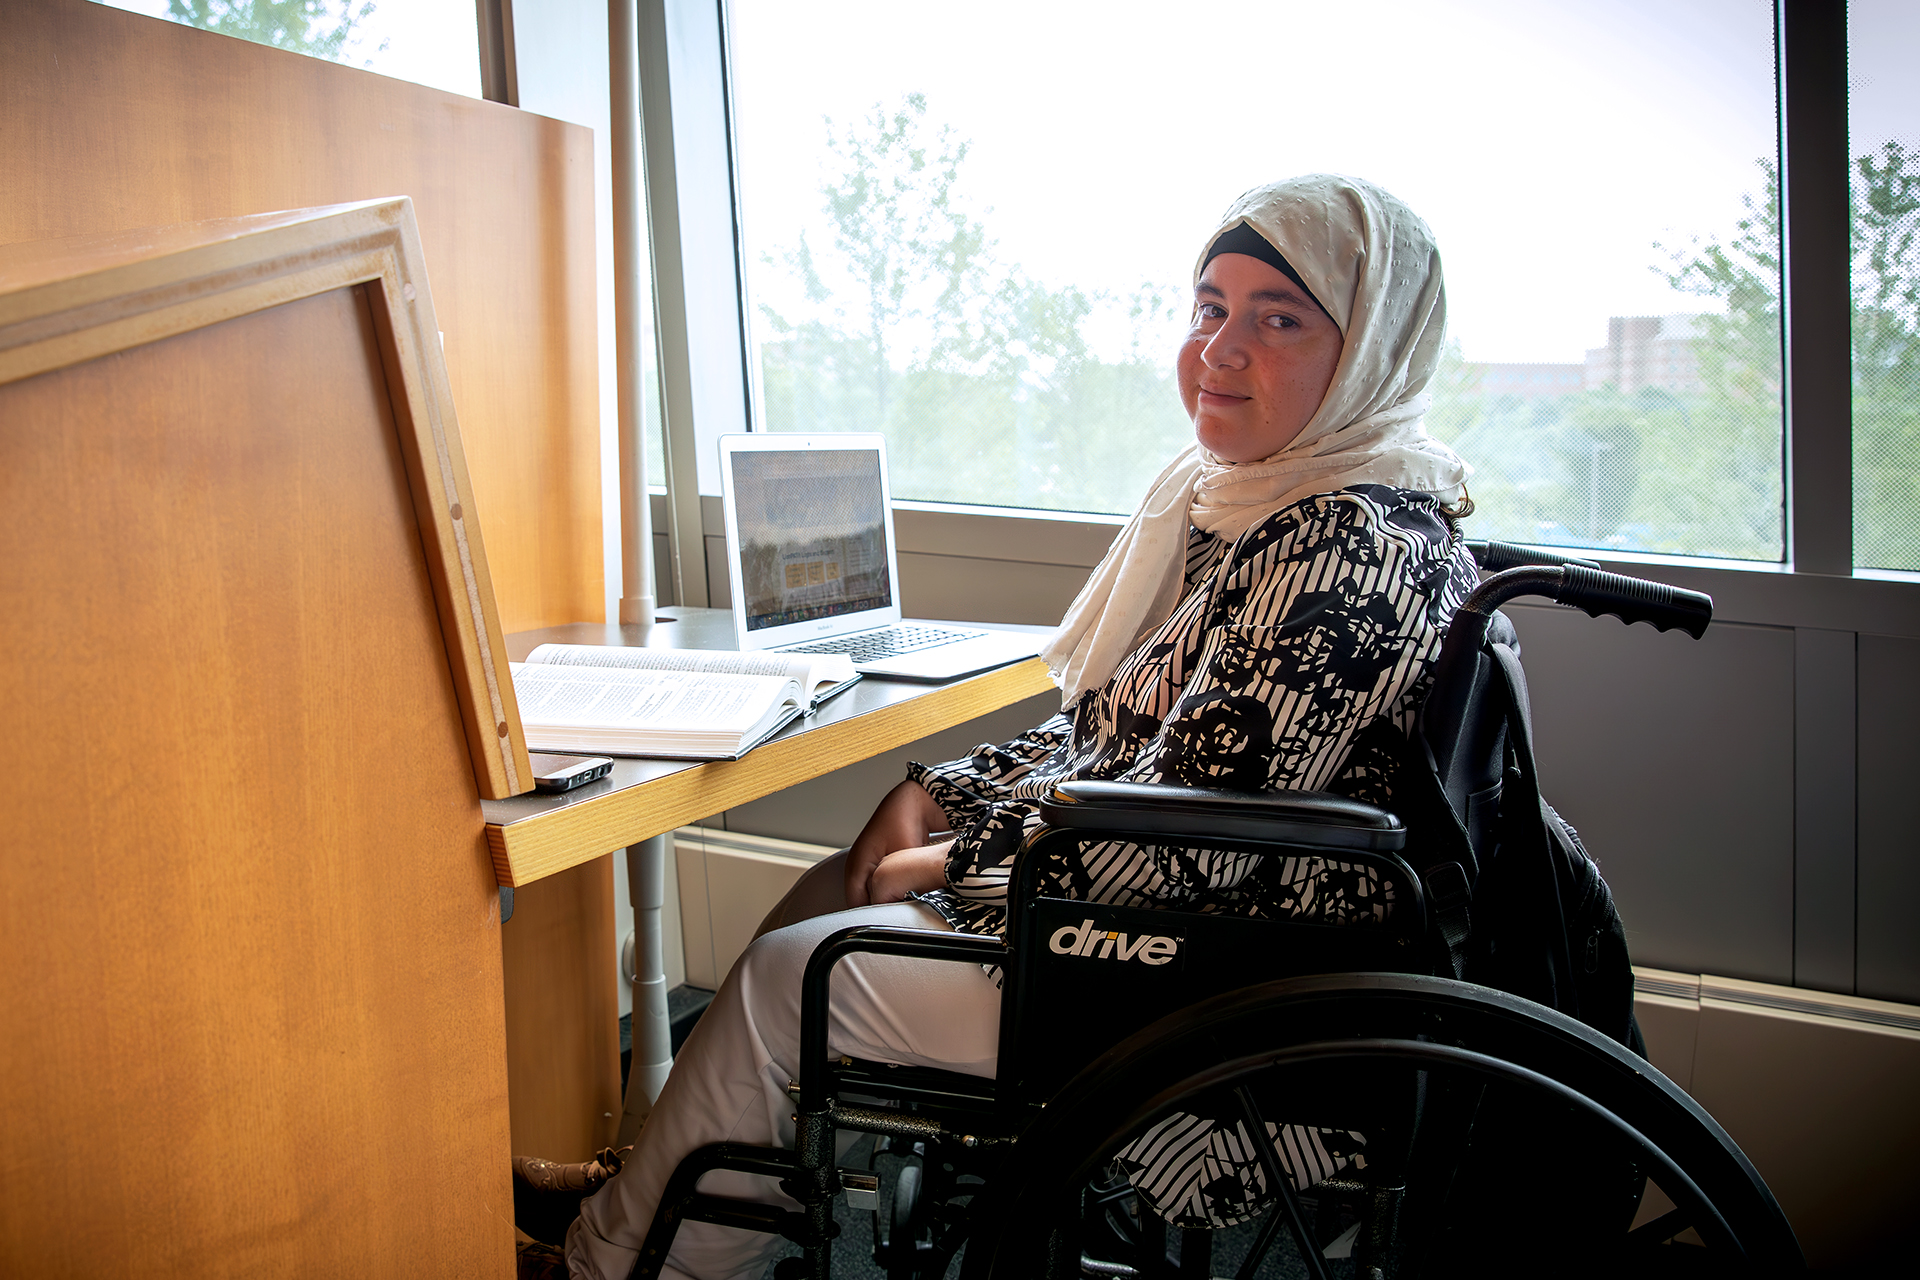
564 773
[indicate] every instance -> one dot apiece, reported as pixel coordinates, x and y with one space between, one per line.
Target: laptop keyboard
888 642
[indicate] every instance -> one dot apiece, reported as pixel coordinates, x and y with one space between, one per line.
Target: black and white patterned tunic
1285 645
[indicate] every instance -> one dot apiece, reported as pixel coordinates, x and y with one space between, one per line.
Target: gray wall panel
1674 758
1824 738
719 577
967 589
1889 860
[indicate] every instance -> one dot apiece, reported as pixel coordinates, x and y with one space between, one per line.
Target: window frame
1817 435
1810 45
1816 592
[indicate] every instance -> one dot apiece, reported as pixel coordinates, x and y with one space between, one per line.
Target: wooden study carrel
255 690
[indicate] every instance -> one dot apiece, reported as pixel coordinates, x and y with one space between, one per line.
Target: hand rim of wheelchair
1757 1233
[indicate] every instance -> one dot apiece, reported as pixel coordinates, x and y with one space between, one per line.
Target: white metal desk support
652 1041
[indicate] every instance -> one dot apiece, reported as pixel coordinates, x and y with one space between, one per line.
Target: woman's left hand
920 869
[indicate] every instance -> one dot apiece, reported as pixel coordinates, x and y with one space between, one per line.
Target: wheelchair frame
987 1118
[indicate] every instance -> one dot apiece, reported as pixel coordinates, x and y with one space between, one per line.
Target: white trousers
729 1082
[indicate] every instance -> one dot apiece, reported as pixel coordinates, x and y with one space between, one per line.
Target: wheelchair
1360 1098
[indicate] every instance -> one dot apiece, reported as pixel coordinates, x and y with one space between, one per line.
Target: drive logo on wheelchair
1084 939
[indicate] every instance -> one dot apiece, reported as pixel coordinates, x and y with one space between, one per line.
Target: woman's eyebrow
1264 295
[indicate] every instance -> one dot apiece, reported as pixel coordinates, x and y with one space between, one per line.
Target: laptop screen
813 534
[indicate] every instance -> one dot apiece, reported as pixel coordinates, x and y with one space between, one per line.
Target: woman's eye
1210 311
1283 322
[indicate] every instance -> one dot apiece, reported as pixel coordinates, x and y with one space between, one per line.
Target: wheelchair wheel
922 1221
1462 1127
903 1238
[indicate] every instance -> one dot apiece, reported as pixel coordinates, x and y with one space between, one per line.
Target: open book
819 675
674 703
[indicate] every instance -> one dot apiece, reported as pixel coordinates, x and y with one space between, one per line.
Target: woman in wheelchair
1284 585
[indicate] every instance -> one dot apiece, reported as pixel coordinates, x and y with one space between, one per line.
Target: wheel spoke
1288 1202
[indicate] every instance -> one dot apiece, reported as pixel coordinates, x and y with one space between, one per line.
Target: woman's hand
907 871
904 820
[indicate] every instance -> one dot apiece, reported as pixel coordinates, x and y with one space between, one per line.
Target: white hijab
1372 264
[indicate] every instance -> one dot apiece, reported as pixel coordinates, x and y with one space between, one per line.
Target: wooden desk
536 835
561 1001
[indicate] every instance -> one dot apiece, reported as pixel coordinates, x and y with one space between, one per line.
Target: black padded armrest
1312 818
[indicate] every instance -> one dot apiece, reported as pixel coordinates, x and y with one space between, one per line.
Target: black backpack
1516 901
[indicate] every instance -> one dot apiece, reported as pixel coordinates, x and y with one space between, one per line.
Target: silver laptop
810 544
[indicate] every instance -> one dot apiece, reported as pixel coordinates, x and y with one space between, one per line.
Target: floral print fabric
1285 645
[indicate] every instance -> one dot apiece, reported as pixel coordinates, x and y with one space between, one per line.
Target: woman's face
1258 360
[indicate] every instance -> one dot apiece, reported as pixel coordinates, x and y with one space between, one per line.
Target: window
1883 119
430 42
977 237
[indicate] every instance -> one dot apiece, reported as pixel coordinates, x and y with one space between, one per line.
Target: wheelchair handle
1595 592
1495 556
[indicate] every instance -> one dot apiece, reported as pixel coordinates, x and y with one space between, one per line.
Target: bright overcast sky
1548 145
1883 41
431 42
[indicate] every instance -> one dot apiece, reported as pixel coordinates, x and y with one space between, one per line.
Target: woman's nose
1227 348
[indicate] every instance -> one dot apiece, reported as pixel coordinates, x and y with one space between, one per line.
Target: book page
811 670
647 700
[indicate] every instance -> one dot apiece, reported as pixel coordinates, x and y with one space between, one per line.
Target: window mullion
1817 307
696 269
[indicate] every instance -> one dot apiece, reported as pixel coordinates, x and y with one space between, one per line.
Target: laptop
811 548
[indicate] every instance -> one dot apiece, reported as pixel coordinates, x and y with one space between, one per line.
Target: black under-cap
1242 238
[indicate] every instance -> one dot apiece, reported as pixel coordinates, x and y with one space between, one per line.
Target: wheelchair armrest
1313 819
886 940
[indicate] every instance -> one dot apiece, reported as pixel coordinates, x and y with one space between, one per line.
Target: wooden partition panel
252 1013
563 1014
110 120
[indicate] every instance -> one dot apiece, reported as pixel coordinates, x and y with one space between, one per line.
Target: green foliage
1697 473
315 27
1886 359
1701 473
986 386
981 376
1645 471
1739 352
